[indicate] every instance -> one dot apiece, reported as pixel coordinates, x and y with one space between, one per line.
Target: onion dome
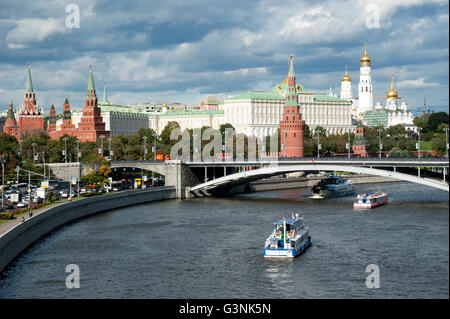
392 93
365 59
346 77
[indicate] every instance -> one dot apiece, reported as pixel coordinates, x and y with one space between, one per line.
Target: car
64 193
22 204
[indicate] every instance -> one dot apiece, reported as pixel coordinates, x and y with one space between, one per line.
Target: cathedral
363 108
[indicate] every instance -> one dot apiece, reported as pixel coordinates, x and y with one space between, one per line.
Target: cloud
184 50
35 30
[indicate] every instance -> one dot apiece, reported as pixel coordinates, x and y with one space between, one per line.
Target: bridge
199 178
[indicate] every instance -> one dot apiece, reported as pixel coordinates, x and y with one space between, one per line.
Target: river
212 248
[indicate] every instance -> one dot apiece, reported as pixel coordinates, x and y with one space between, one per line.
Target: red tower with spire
91 124
52 120
31 118
11 127
292 125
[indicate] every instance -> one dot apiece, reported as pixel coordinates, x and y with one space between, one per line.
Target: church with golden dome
363 108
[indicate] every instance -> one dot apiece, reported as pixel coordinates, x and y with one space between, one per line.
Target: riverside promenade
6 226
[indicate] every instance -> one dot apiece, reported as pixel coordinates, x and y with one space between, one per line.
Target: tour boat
288 239
332 186
370 200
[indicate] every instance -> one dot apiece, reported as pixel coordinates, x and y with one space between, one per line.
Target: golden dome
346 77
392 93
365 59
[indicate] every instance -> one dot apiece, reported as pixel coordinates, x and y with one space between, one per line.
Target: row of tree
35 148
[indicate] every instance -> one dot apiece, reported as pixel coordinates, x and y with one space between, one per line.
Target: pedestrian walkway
5 227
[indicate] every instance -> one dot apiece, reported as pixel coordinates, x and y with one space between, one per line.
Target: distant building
391 115
212 103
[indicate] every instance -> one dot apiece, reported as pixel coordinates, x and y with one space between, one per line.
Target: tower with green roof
291 125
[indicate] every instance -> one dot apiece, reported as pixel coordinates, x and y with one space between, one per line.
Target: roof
212 100
29 84
258 95
282 87
187 112
288 221
327 98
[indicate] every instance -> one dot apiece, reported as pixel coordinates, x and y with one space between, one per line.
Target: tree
165 134
434 120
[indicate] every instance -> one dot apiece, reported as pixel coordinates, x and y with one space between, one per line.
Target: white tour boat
288 239
370 200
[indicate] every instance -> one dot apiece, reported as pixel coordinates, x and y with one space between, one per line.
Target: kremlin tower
52 120
31 118
291 126
11 127
91 124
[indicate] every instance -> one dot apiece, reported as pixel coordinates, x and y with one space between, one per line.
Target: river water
212 248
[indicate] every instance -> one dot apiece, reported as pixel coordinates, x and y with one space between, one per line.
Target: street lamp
100 151
418 144
79 172
348 144
380 146
3 181
34 152
65 150
20 145
43 160
109 146
318 144
145 146
446 141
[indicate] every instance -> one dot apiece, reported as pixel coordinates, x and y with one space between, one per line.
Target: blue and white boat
288 239
332 186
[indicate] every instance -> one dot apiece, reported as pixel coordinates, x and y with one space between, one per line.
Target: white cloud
35 30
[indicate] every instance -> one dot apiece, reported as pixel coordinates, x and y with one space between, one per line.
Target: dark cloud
147 49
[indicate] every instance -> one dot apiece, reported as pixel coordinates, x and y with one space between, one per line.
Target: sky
183 51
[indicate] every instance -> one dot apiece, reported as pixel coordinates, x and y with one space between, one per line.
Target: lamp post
109 147
155 137
65 150
79 172
34 152
446 141
348 144
418 144
42 154
20 145
318 144
380 146
145 146
100 151
3 181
